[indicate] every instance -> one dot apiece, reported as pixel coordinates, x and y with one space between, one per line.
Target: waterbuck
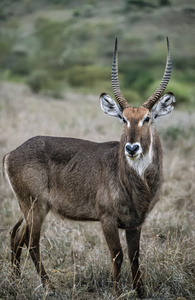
116 183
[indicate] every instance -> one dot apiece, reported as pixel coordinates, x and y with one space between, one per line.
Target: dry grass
74 253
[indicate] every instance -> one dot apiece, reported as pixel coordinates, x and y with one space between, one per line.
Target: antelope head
138 130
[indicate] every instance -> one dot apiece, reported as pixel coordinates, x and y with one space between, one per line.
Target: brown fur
85 181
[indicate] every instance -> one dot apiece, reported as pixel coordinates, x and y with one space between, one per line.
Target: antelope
116 182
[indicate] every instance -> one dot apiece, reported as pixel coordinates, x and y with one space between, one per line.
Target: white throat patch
140 164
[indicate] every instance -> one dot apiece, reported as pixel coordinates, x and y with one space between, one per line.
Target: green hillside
60 45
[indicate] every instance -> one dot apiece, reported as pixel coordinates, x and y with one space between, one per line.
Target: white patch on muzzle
141 162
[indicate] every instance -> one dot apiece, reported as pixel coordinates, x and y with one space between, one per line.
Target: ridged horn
149 103
115 81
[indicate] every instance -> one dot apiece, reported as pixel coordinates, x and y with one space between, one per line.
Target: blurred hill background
56 46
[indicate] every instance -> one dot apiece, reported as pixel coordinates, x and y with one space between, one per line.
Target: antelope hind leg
34 219
18 238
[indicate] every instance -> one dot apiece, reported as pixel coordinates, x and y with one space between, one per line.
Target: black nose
132 149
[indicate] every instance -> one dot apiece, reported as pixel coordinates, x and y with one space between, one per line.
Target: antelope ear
163 107
110 107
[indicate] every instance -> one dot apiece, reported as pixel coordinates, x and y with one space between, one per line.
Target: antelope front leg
113 241
133 239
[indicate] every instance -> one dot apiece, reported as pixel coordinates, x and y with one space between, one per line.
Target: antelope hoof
15 274
51 294
50 289
117 291
141 292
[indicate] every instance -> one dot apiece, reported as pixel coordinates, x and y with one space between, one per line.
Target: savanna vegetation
55 60
57 45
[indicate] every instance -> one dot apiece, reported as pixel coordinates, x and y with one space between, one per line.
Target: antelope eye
147 119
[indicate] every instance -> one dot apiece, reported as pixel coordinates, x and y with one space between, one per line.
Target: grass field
74 253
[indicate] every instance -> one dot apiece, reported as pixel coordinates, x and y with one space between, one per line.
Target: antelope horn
115 82
149 103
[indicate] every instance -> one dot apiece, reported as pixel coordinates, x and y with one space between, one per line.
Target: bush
164 2
139 4
55 90
137 78
17 62
87 76
132 97
38 80
172 133
184 92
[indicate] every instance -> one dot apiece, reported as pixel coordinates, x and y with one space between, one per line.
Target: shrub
139 4
132 97
184 92
17 62
172 133
38 80
88 76
55 90
76 13
164 2
137 78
